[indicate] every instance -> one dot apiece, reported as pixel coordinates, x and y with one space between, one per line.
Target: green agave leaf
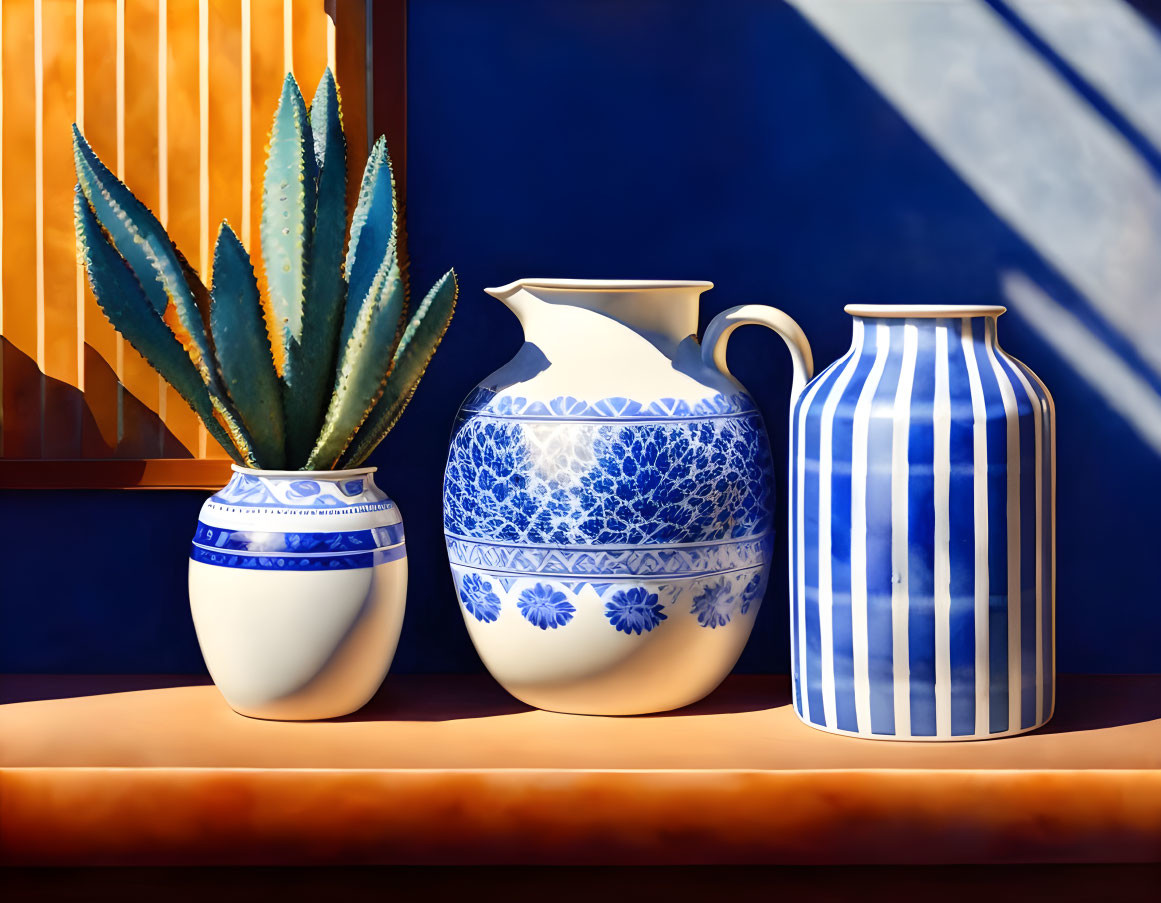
288 206
363 366
225 412
243 349
314 355
414 352
123 300
372 243
140 239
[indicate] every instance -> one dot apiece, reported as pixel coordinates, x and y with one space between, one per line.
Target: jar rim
306 474
923 311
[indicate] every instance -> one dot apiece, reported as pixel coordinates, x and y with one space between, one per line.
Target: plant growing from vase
313 375
310 377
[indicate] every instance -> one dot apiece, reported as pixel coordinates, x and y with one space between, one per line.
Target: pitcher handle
721 327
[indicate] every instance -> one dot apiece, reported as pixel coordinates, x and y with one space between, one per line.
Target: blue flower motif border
632 609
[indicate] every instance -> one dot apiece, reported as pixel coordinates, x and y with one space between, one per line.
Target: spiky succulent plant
315 374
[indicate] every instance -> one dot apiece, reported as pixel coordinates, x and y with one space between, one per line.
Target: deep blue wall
709 140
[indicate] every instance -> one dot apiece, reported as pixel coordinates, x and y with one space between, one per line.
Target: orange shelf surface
141 770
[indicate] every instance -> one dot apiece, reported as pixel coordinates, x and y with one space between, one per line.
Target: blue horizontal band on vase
597 562
305 562
278 542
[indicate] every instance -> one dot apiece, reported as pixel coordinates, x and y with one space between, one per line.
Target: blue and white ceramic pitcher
608 500
922 523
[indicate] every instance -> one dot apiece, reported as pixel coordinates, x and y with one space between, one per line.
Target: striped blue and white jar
922 485
297 585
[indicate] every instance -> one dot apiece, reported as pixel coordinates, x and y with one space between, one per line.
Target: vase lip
599 285
306 474
924 311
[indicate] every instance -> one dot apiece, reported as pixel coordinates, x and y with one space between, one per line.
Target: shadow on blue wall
730 142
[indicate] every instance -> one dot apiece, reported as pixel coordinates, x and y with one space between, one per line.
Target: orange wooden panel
224 131
21 377
183 136
177 98
63 402
225 118
266 73
309 37
224 124
101 431
142 430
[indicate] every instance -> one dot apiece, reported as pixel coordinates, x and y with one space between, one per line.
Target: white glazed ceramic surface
297 587
608 499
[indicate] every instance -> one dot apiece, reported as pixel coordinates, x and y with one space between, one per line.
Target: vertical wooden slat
387 63
225 101
62 426
142 435
266 74
247 123
168 440
351 72
2 340
38 170
21 375
79 119
119 169
310 45
203 262
287 35
182 141
99 433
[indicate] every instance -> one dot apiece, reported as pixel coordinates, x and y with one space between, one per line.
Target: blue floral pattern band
659 508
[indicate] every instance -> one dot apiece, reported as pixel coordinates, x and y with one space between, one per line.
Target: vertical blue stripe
841 448
795 539
1048 550
812 438
1047 514
962 540
997 432
921 538
880 637
1028 547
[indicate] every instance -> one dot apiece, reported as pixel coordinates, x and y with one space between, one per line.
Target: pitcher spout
659 309
505 292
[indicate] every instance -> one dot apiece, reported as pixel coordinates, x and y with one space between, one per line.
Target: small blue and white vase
297 584
922 562
607 499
